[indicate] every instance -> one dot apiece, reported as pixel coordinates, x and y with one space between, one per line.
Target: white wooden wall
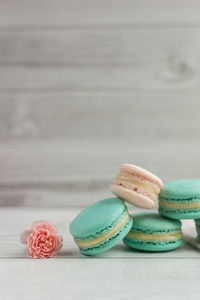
86 85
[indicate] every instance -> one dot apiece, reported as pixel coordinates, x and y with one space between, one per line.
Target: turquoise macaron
151 232
101 226
197 222
180 199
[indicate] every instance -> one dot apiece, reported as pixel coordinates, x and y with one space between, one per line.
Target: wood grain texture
83 60
50 150
59 172
84 279
100 117
97 47
71 275
36 161
87 85
84 12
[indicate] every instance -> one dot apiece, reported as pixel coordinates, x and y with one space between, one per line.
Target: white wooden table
84 86
120 273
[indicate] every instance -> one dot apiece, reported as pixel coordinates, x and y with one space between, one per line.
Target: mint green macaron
101 226
151 232
180 199
197 222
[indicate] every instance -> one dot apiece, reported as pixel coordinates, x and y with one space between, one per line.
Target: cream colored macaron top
136 186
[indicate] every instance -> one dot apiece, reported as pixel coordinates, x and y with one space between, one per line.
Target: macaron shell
178 215
197 223
154 247
129 168
97 217
151 221
109 243
181 189
132 197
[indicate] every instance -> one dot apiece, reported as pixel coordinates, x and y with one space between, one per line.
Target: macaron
180 199
151 232
136 186
197 222
101 226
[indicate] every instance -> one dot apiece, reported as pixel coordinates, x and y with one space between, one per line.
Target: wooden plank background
86 85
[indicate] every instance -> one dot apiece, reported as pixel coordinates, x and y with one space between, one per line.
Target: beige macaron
136 186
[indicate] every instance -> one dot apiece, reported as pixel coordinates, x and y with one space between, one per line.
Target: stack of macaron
180 199
105 223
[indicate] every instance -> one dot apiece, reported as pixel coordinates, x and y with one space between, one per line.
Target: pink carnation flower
42 240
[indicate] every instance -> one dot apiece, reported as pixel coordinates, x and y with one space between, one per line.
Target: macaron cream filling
104 236
158 237
179 204
135 184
